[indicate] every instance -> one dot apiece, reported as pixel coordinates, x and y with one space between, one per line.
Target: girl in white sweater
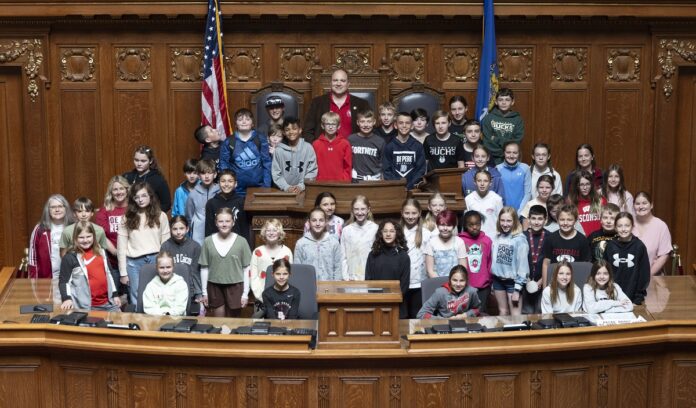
357 238
563 295
601 294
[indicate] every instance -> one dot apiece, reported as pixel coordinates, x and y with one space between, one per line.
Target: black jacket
631 266
320 105
155 179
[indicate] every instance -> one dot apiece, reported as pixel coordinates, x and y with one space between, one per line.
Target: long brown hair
611 292
80 227
570 290
152 211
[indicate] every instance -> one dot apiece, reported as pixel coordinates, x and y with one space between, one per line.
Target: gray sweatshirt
444 303
292 165
195 209
324 254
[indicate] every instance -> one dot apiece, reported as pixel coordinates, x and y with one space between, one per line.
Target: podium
361 314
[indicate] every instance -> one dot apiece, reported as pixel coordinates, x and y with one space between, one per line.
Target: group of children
518 222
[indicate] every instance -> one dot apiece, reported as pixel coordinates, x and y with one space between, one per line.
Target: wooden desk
650 364
350 316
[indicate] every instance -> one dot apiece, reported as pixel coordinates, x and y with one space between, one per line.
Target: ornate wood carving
515 64
77 64
669 49
296 62
30 54
570 64
461 64
395 392
465 389
407 63
354 60
623 65
187 64
324 392
181 389
535 389
252 392
603 387
133 64
112 389
243 64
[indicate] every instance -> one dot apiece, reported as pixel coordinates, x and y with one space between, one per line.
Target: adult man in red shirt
339 100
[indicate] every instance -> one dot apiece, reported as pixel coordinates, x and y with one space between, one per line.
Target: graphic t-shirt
443 154
576 249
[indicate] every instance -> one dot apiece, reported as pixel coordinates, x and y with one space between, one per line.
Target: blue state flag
488 72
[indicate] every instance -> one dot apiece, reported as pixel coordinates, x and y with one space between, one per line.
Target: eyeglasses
56 207
330 124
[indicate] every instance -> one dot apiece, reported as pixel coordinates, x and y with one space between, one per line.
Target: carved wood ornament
407 64
295 63
461 64
77 65
29 52
516 64
570 64
669 49
133 64
623 65
187 64
353 60
243 64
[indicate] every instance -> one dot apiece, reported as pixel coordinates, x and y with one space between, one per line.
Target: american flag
214 95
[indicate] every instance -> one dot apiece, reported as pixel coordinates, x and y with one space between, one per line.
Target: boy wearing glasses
334 155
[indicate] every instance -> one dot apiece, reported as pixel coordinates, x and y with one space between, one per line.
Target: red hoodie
334 159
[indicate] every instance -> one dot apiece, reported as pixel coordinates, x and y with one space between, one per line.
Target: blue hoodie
249 160
517 182
469 186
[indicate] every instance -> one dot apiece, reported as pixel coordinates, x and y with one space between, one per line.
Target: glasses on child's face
330 124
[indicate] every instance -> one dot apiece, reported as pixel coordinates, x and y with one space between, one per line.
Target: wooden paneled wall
80 94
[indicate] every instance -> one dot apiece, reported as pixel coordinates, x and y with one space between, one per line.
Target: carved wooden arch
29 54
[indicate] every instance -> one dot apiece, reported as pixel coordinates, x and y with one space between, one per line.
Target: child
246 153
266 255
653 232
417 236
85 280
444 249
566 244
225 268
601 294
536 235
553 206
210 139
334 154
140 235
368 150
614 190
585 161
184 251
544 187
458 108
357 238
436 205
420 122
387 114
486 202
282 300
509 265
478 256
44 248
227 198
275 107
182 192
404 156
481 158
275 138
294 160
541 156
442 150
472 137
167 294
327 202
516 177
600 238
629 259
84 210
388 259
147 170
198 199
320 248
110 215
453 300
588 201
563 295
502 125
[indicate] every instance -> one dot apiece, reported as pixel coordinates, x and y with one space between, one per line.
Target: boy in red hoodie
478 256
334 155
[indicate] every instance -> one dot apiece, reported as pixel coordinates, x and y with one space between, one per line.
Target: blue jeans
133 266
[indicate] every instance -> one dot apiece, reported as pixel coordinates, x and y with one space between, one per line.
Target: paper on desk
607 319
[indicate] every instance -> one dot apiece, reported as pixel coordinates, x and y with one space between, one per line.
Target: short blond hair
273 222
387 106
331 117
